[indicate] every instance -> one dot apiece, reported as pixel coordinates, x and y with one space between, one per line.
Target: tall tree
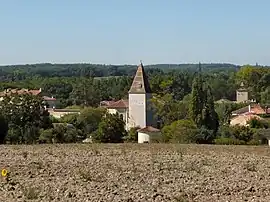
197 101
202 108
210 116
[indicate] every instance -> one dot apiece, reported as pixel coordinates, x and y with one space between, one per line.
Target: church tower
242 94
140 113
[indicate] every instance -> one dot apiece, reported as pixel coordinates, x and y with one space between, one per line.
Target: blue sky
127 31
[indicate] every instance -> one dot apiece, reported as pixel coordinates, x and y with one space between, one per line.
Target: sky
127 31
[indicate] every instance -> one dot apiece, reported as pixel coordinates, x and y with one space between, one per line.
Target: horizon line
123 64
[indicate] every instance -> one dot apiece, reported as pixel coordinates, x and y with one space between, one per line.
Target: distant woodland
20 72
88 84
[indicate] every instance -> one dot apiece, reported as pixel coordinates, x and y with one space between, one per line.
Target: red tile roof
148 129
257 109
254 108
34 92
118 104
107 102
20 92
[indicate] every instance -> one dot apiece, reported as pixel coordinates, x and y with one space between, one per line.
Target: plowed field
132 172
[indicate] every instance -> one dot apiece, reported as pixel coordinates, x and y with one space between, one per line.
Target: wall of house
239 120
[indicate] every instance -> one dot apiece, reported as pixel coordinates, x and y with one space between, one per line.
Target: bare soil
132 172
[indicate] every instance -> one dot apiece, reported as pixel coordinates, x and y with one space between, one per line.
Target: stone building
139 102
136 111
242 94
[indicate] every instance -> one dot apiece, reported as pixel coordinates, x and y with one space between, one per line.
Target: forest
185 101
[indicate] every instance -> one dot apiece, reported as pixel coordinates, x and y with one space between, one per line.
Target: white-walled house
120 107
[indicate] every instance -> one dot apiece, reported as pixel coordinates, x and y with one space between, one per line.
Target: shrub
181 131
228 141
132 135
256 123
70 135
46 136
254 142
204 136
242 133
225 131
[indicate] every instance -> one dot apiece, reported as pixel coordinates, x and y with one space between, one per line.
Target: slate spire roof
140 82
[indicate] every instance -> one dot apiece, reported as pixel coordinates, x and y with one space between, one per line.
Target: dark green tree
89 119
210 116
3 128
25 113
111 129
197 101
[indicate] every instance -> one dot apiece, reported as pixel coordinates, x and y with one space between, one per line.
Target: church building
136 111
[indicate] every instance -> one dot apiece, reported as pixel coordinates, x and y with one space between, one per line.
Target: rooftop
255 109
20 92
123 104
148 129
140 82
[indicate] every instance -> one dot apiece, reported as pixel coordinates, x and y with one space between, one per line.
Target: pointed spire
242 84
140 82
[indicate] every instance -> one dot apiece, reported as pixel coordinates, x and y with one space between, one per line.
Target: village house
243 119
120 107
22 91
252 108
243 115
136 112
51 102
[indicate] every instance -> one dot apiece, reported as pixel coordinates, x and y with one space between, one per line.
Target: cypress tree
202 108
197 101
210 116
